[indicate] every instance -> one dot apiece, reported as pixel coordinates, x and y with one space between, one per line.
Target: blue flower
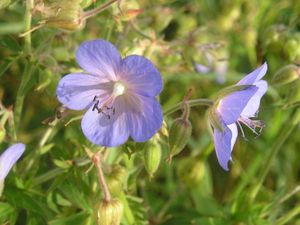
239 107
118 94
8 158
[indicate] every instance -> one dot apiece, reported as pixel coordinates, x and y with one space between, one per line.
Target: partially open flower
8 159
118 94
236 108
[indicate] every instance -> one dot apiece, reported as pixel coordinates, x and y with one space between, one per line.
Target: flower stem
28 17
283 136
288 216
28 67
97 10
97 162
191 103
185 106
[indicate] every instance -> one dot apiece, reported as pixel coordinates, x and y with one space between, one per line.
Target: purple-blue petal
99 57
231 106
9 157
223 146
255 75
108 128
145 123
141 75
253 104
76 91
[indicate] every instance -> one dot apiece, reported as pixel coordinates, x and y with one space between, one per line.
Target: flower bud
68 16
115 179
286 74
180 133
110 213
292 48
152 156
274 37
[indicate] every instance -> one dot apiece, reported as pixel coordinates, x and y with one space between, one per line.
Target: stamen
107 107
101 110
242 131
253 125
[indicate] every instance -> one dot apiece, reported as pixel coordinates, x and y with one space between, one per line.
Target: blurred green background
52 184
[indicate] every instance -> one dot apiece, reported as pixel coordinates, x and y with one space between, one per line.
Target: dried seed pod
68 16
110 213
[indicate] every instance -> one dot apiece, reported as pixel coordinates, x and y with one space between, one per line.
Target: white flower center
119 89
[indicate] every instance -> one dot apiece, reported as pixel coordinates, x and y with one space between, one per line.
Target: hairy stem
191 103
27 19
97 162
28 67
97 10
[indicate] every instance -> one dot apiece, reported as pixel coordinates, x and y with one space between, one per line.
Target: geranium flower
118 94
238 107
8 159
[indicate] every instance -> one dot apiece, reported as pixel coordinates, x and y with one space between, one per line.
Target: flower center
106 107
119 89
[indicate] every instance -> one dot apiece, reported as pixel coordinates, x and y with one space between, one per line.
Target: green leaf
77 219
4 66
10 43
5 211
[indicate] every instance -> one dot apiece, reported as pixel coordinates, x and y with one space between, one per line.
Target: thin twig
97 10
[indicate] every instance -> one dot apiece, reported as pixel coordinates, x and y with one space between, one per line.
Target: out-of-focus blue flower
212 64
118 94
236 108
8 159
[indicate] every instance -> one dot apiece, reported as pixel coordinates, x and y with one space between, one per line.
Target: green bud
180 133
110 213
152 156
292 49
286 74
118 172
293 94
67 15
191 171
115 179
274 38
